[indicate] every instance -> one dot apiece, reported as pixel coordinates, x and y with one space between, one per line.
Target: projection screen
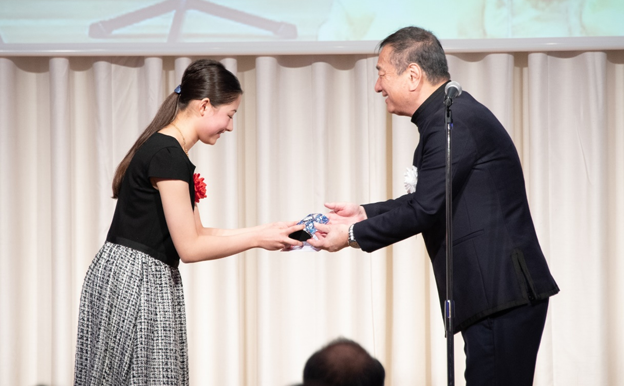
257 27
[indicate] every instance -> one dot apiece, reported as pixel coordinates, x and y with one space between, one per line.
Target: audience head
343 362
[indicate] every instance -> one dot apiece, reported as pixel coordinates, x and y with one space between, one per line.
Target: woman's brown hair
203 78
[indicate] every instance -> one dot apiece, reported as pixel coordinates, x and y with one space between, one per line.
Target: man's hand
331 238
345 213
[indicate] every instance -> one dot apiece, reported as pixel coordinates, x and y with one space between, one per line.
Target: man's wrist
351 238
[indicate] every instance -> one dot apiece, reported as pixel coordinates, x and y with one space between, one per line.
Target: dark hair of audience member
343 362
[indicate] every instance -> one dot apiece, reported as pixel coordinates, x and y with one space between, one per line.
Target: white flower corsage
411 178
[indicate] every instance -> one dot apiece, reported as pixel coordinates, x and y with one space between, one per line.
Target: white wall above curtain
310 130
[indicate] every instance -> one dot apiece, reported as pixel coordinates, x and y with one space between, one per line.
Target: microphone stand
449 304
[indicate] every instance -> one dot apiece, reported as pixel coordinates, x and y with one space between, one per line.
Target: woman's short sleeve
170 163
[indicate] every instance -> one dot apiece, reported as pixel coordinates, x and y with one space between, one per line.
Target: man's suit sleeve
375 209
394 220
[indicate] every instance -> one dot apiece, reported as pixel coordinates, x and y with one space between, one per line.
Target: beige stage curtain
310 130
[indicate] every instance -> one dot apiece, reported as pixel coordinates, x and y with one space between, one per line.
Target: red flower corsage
200 187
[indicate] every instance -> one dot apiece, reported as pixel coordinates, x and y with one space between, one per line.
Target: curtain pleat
309 130
615 227
10 315
61 169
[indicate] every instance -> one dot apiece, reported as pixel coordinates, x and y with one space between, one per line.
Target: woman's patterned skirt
132 323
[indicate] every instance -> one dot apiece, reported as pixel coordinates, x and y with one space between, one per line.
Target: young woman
132 325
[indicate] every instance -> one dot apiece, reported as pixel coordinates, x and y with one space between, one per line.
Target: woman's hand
274 236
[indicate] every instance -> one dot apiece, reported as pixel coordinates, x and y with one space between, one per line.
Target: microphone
451 91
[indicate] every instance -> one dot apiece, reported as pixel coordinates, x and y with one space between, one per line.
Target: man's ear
415 76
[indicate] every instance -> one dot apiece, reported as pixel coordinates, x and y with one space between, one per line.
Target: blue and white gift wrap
310 228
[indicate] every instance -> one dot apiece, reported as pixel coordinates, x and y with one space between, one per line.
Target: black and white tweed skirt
132 323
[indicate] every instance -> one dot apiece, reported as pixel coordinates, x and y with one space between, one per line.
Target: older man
501 279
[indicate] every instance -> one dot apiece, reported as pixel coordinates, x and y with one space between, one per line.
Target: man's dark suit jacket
497 259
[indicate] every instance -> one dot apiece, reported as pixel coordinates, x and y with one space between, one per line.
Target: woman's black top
139 219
